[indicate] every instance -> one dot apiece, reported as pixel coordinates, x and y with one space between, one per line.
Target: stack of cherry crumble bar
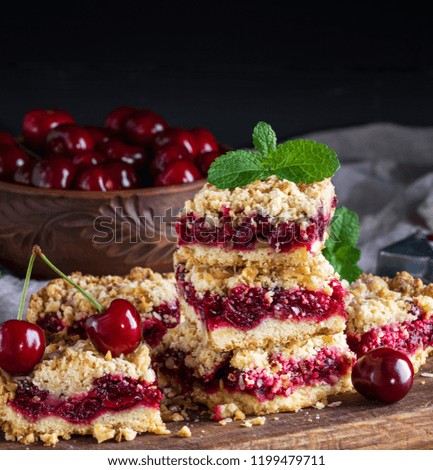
263 312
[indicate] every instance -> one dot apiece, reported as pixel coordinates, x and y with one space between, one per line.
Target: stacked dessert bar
263 312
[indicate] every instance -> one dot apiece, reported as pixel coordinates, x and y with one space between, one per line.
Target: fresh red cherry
12 157
115 119
69 139
164 156
86 159
183 171
206 141
98 134
115 149
55 173
22 345
383 374
24 173
176 136
123 175
140 127
6 138
37 123
205 160
95 179
117 330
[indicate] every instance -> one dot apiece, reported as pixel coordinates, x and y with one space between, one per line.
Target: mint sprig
340 249
299 161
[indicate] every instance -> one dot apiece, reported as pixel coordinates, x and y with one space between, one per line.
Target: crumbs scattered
427 374
334 404
184 432
275 418
422 382
321 404
259 421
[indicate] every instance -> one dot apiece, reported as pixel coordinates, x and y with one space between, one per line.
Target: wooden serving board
355 424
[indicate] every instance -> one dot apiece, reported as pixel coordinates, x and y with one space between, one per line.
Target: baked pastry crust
68 370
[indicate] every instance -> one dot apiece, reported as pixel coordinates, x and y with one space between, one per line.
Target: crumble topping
273 197
144 288
314 276
66 371
378 301
184 432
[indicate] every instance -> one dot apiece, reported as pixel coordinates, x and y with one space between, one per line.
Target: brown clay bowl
92 232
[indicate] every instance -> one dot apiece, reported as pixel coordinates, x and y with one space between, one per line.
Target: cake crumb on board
184 432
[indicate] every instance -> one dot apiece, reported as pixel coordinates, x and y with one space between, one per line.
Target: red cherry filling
245 232
69 139
115 119
407 337
95 179
179 172
22 346
283 378
11 159
383 374
164 317
109 394
246 307
175 136
55 173
37 123
140 127
117 330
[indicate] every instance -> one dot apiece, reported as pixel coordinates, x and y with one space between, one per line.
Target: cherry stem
38 252
26 285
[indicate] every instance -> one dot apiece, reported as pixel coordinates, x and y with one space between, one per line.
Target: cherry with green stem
116 329
22 344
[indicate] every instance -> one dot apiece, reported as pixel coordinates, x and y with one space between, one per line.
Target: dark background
222 65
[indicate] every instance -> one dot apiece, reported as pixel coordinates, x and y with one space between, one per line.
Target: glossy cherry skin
140 127
95 179
383 374
183 171
37 123
164 156
206 141
69 139
205 160
115 119
118 329
123 175
6 138
55 173
98 134
86 159
22 345
24 173
115 149
177 136
12 157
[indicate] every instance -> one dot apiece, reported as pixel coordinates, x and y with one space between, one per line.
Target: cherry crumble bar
395 312
266 216
76 390
61 310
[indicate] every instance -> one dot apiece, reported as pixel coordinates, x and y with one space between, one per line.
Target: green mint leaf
236 168
264 139
303 161
340 249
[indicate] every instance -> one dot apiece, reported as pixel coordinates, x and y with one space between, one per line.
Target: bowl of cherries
101 199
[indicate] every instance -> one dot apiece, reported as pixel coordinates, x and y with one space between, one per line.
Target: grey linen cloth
386 177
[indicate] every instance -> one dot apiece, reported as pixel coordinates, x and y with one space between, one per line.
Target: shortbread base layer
124 425
300 398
